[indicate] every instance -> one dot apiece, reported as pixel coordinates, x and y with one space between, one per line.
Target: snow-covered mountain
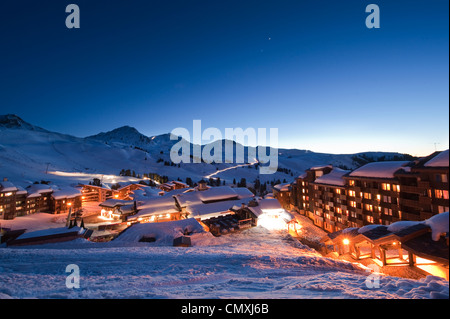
29 153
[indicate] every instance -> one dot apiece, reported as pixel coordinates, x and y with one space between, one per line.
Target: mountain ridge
27 152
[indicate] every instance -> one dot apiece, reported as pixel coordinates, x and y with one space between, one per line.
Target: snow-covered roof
155 206
282 187
7 187
333 178
211 194
319 167
41 188
303 175
264 205
67 192
440 160
112 202
379 169
205 211
438 224
21 191
48 232
164 233
243 192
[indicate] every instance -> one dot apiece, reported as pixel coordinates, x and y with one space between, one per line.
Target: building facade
36 198
376 193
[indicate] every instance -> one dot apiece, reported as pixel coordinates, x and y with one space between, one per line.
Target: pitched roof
379 169
333 178
7 187
440 160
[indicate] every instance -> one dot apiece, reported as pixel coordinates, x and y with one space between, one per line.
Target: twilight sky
309 68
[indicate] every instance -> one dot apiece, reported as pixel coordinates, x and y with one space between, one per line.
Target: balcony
423 184
410 203
423 200
411 189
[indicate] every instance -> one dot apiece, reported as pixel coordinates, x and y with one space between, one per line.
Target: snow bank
164 233
438 224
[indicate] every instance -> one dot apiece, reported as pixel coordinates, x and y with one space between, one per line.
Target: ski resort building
376 193
37 198
173 185
94 193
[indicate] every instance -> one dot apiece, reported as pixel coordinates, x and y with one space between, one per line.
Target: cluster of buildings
37 198
218 209
16 201
376 193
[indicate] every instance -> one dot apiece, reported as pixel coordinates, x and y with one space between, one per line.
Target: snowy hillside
255 263
29 153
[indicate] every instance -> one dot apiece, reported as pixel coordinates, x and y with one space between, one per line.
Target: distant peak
14 121
126 128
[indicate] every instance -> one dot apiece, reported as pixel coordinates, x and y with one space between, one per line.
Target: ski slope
255 263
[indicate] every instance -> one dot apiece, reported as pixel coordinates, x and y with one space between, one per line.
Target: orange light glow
346 241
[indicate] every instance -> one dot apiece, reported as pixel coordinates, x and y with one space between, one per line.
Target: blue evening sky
309 68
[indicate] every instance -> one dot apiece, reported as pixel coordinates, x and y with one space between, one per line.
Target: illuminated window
378 197
370 219
386 186
368 207
351 193
396 188
351 182
338 191
353 203
367 196
443 194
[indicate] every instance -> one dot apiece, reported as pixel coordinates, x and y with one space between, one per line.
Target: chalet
411 243
125 191
170 186
158 209
95 193
117 209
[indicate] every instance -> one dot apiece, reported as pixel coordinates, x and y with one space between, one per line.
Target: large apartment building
376 193
37 198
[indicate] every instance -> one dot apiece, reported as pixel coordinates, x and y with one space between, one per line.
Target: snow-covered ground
255 263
